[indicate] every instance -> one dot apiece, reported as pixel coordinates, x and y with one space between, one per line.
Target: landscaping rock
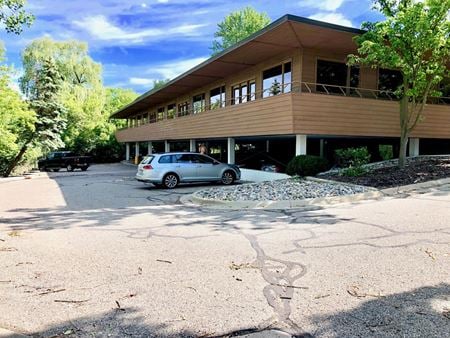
280 190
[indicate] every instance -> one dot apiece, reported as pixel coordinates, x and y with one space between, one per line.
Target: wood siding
318 114
270 116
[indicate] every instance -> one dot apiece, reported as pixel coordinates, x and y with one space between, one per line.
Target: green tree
82 92
414 39
157 84
13 15
16 119
237 26
49 123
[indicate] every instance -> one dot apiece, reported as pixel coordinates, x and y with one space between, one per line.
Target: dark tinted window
389 80
184 158
331 73
148 159
203 159
166 159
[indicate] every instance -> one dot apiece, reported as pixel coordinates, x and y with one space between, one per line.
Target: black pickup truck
64 159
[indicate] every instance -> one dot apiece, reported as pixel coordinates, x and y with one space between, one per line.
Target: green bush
306 165
386 151
353 159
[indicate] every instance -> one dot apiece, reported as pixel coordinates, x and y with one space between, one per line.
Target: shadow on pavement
423 312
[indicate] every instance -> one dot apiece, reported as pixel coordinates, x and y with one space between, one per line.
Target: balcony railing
281 89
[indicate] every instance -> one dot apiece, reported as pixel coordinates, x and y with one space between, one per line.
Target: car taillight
147 167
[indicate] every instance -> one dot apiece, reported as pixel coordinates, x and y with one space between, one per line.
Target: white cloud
99 27
139 81
326 5
174 68
336 18
162 1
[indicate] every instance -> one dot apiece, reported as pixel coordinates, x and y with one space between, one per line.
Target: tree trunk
16 160
403 131
403 150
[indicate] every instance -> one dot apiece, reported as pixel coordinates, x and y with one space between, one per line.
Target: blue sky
139 41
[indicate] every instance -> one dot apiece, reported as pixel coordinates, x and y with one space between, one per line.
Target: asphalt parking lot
100 254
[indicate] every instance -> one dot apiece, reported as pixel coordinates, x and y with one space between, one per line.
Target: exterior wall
269 116
293 113
319 114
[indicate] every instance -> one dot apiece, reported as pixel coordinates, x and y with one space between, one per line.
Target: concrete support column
414 147
300 145
231 150
166 146
136 153
322 147
192 146
127 151
267 146
150 148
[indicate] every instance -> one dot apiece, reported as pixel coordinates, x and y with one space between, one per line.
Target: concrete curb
195 200
373 193
27 176
4 333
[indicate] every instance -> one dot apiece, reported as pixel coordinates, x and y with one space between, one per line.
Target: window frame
283 81
249 96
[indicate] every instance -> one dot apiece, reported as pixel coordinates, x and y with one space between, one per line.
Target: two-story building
283 91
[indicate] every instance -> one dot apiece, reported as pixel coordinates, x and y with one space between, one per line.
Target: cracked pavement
99 254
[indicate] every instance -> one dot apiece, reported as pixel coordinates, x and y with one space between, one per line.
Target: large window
277 80
244 92
198 103
160 114
183 109
332 74
171 108
217 98
152 117
389 80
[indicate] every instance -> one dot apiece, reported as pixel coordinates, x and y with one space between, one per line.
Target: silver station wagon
170 169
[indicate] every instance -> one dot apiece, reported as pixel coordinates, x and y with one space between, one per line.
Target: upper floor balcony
291 108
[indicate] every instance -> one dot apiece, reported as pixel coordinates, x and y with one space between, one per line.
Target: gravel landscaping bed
280 190
417 170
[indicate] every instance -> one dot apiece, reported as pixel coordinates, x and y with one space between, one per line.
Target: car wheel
228 177
84 168
170 181
69 167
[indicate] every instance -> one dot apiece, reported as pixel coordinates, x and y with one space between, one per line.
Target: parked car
170 169
64 159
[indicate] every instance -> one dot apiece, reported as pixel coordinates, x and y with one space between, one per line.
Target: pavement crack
280 275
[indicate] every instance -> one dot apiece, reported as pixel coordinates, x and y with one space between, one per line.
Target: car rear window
147 159
166 159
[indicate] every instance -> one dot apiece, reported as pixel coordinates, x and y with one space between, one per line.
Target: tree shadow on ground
423 312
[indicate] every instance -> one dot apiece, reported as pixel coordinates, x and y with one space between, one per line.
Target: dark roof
145 99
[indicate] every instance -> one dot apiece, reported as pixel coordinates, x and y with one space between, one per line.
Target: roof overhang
280 36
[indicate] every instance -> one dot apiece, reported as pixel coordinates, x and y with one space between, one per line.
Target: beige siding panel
333 115
271 116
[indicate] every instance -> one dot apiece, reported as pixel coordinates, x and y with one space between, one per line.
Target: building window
198 103
160 114
244 92
152 117
389 80
183 109
138 120
171 111
277 80
332 74
217 98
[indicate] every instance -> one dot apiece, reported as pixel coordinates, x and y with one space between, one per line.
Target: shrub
306 165
353 159
386 151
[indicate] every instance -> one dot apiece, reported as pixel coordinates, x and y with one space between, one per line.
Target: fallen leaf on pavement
234 266
163 261
8 249
355 291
